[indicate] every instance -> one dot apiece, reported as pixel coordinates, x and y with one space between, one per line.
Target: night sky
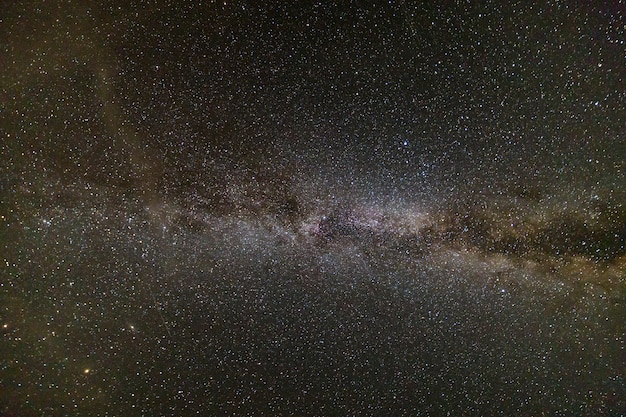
309 208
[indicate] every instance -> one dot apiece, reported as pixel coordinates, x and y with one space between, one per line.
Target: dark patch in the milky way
597 232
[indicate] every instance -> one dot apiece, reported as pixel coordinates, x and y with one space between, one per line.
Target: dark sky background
393 94
309 208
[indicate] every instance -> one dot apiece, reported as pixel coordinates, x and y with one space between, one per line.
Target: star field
312 209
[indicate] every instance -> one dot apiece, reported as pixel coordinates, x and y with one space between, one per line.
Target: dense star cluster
239 208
